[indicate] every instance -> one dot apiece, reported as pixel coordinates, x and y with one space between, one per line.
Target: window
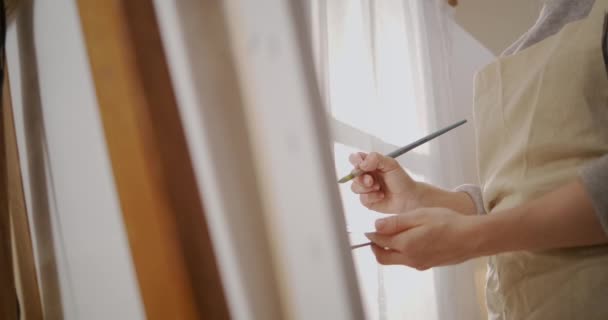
366 69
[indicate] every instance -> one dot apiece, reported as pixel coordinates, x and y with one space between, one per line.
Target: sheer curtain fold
384 72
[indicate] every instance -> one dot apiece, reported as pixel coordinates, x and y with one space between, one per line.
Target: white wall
466 57
79 239
497 23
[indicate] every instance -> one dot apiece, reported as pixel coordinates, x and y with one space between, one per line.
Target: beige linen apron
540 115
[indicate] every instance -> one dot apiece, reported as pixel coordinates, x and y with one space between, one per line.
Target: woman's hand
426 238
430 237
385 187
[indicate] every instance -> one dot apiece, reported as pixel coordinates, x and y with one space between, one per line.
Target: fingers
383 248
356 158
398 223
388 257
381 240
399 249
360 188
375 161
368 190
401 242
366 180
369 199
391 257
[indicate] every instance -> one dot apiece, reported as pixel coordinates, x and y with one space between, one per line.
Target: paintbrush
357 172
360 245
365 245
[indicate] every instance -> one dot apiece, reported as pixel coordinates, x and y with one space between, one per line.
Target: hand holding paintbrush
383 185
403 150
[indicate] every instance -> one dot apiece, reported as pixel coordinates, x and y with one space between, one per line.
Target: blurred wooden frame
163 214
246 89
8 295
12 201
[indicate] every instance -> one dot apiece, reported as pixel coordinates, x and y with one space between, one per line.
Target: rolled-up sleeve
595 179
475 193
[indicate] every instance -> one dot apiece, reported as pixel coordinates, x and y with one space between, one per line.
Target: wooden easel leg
8 296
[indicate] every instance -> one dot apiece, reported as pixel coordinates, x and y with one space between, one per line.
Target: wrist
429 196
432 197
499 232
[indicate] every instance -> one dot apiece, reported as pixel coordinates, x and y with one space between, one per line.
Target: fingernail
380 224
368 235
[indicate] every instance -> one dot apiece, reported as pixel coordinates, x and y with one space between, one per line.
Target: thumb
396 223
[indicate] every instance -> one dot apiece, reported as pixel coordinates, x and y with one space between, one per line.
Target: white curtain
385 72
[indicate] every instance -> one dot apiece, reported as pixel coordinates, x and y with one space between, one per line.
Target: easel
213 103
19 295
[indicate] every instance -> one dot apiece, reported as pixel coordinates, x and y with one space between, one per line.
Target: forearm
560 219
433 197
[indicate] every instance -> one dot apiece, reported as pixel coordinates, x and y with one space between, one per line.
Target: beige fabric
537 116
